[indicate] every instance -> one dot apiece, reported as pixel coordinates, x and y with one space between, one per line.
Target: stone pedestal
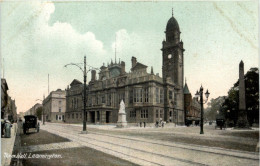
121 116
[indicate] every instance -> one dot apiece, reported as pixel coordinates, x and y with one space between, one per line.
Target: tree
231 103
39 113
214 107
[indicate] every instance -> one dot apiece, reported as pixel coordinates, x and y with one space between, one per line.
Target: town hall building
147 96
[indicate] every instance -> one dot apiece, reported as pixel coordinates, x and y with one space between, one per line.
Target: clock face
169 56
115 72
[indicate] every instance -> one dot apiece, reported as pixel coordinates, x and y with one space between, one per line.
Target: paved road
153 152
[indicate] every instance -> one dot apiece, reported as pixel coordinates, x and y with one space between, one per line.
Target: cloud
32 48
135 44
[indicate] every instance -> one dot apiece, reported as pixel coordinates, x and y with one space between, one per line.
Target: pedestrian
156 123
162 124
144 124
140 124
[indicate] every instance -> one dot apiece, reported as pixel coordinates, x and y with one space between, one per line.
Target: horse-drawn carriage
220 123
30 121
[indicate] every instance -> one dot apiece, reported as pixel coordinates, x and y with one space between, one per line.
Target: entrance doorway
107 116
92 117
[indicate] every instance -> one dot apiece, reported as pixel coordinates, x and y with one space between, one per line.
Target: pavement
143 151
7 145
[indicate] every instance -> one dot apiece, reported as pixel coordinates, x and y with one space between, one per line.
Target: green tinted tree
39 113
252 98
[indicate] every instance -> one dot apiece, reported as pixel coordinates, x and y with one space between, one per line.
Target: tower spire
172 12
185 80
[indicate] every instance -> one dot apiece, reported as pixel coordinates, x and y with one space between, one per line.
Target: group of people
159 123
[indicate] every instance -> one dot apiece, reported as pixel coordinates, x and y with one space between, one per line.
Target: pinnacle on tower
152 70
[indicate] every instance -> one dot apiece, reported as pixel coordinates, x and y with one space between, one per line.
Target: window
144 113
132 114
161 113
161 95
72 116
75 102
103 99
157 113
80 115
109 99
59 109
72 103
121 96
76 116
170 95
131 96
146 95
68 116
157 95
138 95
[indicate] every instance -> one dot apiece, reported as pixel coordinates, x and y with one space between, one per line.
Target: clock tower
172 67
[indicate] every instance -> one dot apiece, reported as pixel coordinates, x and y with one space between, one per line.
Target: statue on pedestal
121 116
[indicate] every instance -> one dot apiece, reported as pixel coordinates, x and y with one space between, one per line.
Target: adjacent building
191 108
4 97
54 106
147 97
74 102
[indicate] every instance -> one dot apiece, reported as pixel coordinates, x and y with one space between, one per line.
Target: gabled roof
186 89
138 66
75 82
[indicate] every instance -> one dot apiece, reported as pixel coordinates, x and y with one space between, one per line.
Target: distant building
147 97
54 106
191 107
10 110
32 111
4 97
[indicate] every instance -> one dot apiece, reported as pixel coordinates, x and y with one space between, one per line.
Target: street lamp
43 123
199 96
84 98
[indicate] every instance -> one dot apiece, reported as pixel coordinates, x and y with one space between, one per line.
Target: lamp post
199 95
84 97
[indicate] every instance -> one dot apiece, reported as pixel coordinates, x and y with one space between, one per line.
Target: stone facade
54 106
147 97
74 103
191 108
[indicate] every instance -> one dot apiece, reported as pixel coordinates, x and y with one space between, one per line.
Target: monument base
121 124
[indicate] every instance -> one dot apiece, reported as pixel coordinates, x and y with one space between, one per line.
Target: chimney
93 75
122 67
134 61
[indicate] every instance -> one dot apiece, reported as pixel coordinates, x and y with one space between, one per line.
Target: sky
39 38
